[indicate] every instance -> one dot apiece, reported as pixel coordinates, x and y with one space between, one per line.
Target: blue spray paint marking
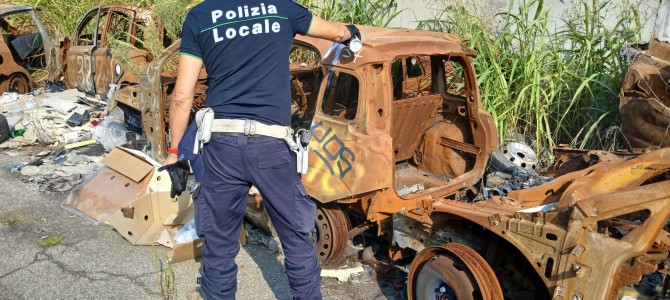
338 157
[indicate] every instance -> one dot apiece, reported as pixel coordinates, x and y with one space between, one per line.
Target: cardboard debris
182 252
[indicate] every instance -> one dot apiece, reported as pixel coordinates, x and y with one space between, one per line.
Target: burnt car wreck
400 146
644 102
21 49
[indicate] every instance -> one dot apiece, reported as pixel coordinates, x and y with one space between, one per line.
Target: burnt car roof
13 9
138 9
382 44
143 13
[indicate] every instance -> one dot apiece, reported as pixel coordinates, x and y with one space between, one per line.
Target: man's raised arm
336 32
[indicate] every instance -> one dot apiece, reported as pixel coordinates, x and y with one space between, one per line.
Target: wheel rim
18 84
452 272
330 234
521 154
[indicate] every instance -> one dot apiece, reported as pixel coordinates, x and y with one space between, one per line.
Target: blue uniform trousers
232 164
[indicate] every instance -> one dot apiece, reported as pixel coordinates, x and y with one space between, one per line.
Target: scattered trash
18 132
55 87
13 121
259 237
77 119
187 233
8 98
368 275
50 119
17 108
111 132
343 275
514 178
14 167
80 144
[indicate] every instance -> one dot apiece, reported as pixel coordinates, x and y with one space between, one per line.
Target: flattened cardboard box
124 178
134 198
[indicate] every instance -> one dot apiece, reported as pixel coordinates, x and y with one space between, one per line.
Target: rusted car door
80 58
107 69
346 158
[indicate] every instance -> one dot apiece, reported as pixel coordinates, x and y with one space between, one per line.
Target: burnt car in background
22 48
644 99
89 64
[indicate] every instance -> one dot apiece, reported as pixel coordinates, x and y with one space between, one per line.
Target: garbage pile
501 183
65 133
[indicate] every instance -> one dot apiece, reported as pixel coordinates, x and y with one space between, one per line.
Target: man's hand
353 33
178 171
333 31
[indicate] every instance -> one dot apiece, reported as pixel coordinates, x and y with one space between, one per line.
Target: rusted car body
21 48
406 155
644 99
585 234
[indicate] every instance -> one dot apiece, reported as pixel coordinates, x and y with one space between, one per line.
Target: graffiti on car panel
84 80
332 151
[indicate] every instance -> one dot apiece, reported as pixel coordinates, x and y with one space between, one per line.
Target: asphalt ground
94 262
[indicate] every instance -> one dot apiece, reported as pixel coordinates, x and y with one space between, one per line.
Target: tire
4 129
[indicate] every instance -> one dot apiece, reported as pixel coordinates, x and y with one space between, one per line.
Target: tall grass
61 16
165 277
558 85
377 13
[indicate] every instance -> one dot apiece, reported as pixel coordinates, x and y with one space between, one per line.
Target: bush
556 86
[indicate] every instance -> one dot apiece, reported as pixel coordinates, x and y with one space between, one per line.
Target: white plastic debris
8 98
342 275
111 132
18 107
187 233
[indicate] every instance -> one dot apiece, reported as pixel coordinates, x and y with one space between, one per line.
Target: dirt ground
94 262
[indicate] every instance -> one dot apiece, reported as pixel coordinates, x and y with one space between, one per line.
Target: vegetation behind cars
559 86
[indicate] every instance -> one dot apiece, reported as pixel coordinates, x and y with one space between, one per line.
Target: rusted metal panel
411 118
645 101
442 149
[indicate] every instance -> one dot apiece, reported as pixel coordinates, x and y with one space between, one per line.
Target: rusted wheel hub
331 234
452 271
17 84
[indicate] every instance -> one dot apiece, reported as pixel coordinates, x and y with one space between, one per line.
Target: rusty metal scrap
362 157
613 210
645 101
